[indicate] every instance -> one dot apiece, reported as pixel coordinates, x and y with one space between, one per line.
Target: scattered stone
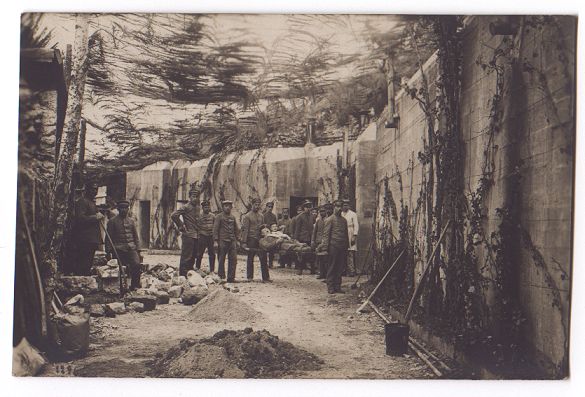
209 280
349 318
136 307
193 295
76 300
162 297
149 301
99 259
113 263
108 272
175 291
146 280
80 284
164 285
97 310
115 308
194 279
179 280
332 301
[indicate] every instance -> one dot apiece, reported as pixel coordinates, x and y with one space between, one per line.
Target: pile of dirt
224 307
234 354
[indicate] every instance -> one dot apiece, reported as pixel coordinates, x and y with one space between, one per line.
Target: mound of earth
222 306
234 354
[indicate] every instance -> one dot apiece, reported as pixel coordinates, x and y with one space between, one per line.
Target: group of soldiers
122 241
322 240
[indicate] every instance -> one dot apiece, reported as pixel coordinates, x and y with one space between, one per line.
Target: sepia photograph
295 196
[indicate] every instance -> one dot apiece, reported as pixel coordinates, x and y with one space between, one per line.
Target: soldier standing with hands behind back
251 223
335 242
205 236
188 227
226 233
122 231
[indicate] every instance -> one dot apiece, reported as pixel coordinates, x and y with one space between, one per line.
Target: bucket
396 338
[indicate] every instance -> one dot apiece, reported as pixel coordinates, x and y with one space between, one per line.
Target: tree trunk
64 168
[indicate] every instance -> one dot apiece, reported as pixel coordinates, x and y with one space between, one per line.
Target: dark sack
71 334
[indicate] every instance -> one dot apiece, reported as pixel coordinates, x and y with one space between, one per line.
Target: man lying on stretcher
274 240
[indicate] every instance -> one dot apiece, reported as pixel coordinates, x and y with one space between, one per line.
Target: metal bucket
396 338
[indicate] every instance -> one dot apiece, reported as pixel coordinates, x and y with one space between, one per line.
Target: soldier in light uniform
352 230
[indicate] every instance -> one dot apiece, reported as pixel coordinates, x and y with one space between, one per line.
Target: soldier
205 236
86 231
352 230
321 257
122 231
188 227
226 233
302 232
269 220
335 242
251 225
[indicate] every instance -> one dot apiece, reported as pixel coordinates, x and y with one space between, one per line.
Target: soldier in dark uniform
205 236
321 257
303 230
188 227
86 236
270 219
335 242
251 224
226 233
122 231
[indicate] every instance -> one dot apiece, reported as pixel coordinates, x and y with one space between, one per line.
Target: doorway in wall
298 200
145 223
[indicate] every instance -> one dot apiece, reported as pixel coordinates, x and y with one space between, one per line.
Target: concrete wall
538 127
363 155
273 174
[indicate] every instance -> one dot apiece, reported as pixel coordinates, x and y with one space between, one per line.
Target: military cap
256 200
205 202
226 202
307 203
122 203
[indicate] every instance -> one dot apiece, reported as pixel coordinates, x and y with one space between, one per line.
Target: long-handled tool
120 268
379 283
424 275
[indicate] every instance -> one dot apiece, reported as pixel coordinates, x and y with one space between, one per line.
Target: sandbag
26 360
71 334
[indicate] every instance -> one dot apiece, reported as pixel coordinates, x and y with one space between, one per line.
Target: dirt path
294 308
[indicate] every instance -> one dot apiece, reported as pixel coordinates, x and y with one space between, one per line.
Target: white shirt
352 227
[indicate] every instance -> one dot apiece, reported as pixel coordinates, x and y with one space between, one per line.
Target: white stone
175 291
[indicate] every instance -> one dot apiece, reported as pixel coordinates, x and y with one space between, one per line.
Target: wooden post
390 75
67 65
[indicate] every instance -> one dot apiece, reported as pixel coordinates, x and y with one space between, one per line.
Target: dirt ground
295 308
